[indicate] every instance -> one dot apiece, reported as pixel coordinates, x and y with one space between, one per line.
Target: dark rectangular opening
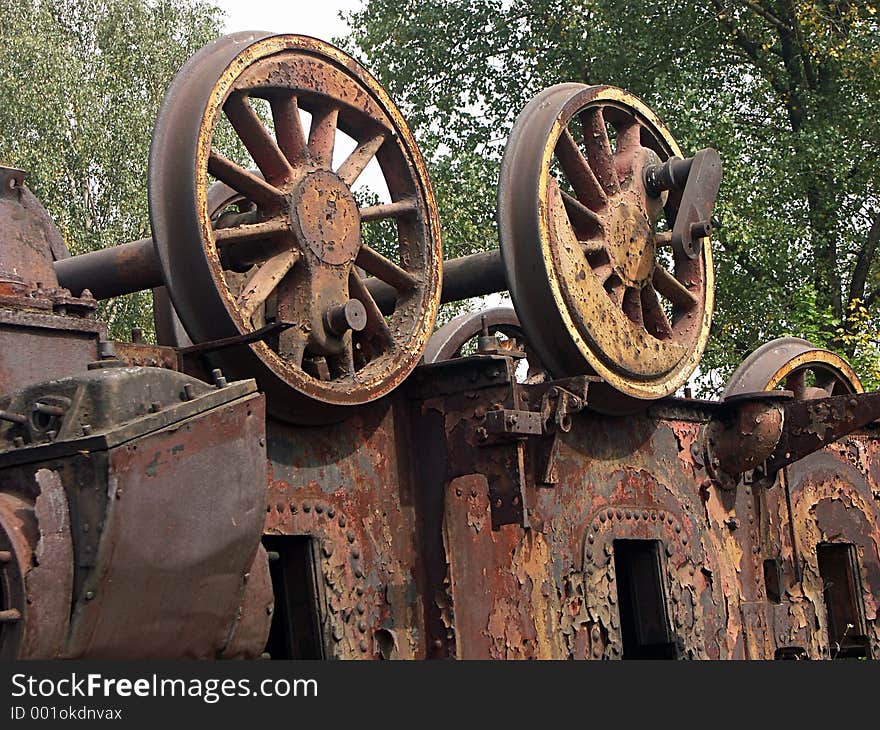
773 579
296 581
842 591
641 600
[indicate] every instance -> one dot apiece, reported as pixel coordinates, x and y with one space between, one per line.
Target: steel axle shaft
132 267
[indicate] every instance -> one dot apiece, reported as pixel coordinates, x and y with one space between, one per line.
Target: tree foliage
785 89
80 85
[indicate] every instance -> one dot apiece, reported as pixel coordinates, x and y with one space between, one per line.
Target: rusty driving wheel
587 243
795 364
289 249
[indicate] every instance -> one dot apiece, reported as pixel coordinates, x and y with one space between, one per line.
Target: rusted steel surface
40 346
155 555
29 239
348 487
549 589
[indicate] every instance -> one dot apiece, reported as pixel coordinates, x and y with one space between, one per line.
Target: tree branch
864 260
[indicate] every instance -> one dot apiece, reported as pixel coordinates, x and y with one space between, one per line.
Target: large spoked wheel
594 278
792 363
458 338
288 247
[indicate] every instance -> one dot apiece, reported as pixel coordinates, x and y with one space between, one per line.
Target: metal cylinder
131 267
112 272
468 276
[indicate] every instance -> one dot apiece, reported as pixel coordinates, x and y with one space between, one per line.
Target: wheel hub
631 244
325 217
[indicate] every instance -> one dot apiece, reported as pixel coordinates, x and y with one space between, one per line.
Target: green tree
785 89
80 85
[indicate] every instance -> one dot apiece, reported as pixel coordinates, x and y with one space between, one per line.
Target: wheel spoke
579 214
259 143
577 171
632 305
673 289
826 381
796 382
245 182
289 130
263 282
592 247
357 161
599 149
251 231
322 135
383 268
603 272
656 321
342 364
629 142
629 136
398 209
377 327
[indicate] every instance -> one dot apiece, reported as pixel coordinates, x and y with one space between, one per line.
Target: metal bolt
268 610
319 508
18 442
349 536
219 380
89 595
360 608
188 393
358 573
137 335
327 549
106 350
355 553
307 507
342 521
86 429
363 645
362 627
331 513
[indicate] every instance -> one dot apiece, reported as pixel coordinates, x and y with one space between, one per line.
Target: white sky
319 18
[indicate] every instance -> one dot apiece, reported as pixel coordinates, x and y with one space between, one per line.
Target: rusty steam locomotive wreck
300 468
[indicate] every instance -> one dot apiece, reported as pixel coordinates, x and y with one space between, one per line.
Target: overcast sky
319 18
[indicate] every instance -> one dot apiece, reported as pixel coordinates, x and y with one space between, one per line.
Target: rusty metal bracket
460 375
506 423
756 432
558 403
699 179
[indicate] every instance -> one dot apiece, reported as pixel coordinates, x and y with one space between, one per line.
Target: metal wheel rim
187 246
446 343
554 313
785 362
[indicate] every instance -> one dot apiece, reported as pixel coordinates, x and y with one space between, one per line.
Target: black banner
396 693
